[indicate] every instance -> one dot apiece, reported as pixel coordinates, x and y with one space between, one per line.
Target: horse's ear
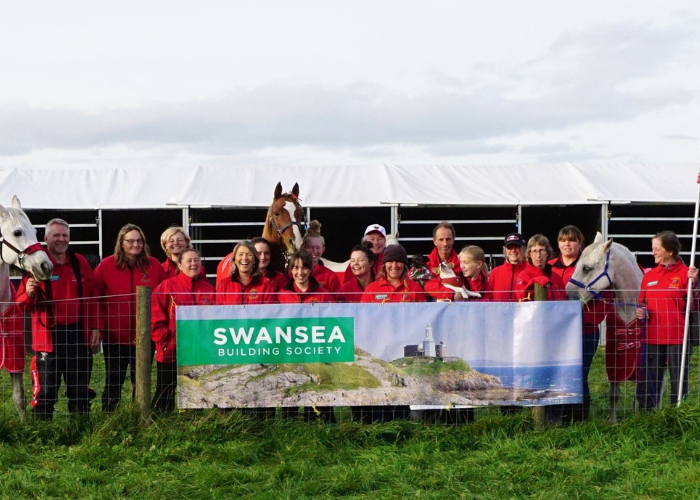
278 190
16 203
607 245
3 212
295 189
598 237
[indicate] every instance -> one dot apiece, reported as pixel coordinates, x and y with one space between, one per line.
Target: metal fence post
538 411
143 350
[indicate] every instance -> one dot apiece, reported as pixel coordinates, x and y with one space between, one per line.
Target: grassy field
212 454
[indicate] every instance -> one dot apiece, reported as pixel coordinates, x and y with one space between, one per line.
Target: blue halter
602 275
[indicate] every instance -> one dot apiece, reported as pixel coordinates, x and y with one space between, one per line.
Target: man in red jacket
64 326
502 278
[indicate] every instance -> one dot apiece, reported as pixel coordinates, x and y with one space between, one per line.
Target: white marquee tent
352 186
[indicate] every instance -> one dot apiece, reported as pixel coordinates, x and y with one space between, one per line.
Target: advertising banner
425 355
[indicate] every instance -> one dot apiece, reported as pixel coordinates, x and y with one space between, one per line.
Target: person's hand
94 338
31 287
693 274
640 313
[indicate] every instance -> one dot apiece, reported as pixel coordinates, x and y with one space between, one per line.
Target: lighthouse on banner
429 342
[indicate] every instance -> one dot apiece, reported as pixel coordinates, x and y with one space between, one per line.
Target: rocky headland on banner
366 381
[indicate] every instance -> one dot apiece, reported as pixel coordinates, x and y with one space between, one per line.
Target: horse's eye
587 269
277 214
17 233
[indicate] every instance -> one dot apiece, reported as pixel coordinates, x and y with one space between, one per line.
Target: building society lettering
269 340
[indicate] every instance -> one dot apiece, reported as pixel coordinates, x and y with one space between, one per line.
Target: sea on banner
420 354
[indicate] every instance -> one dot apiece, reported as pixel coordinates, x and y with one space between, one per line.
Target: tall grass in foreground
216 454
211 454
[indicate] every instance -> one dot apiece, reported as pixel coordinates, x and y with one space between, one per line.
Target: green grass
213 454
216 454
430 366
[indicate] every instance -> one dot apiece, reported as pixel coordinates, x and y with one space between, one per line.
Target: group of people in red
79 309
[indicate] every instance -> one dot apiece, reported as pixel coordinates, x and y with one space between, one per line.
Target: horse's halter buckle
603 274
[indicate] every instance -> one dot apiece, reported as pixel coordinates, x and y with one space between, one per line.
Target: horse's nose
46 267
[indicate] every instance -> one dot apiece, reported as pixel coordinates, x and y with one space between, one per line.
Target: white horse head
605 265
18 244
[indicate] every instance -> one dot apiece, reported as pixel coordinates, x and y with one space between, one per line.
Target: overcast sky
337 83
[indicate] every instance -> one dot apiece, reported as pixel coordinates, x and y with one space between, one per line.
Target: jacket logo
144 278
381 296
675 282
653 283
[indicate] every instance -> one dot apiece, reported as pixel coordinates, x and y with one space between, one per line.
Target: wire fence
631 362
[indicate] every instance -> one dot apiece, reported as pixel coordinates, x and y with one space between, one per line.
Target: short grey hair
58 221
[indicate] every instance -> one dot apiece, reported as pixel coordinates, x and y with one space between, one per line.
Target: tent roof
352 186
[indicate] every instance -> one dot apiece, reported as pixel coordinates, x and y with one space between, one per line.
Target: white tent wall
221 205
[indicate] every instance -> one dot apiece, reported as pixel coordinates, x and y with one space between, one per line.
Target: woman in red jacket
571 242
393 284
116 279
538 271
262 246
185 289
245 284
303 287
173 241
362 264
663 294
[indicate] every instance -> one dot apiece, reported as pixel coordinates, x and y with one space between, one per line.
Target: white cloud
327 88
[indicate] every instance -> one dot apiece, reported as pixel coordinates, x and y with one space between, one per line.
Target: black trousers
658 357
118 357
166 383
70 361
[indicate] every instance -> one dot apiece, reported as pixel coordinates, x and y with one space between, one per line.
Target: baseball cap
375 228
514 239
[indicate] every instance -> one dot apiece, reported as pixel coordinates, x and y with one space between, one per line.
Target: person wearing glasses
116 279
539 271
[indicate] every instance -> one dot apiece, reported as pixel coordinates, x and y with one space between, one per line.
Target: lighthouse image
429 342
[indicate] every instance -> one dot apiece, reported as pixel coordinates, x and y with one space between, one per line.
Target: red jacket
375 269
116 289
279 280
259 290
292 295
436 289
383 291
565 272
350 291
525 283
434 286
502 281
171 293
663 291
171 270
595 310
325 277
223 270
66 309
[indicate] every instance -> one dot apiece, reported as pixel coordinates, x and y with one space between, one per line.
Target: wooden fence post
143 350
538 411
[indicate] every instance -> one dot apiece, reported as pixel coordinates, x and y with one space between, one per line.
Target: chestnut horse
19 248
285 225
